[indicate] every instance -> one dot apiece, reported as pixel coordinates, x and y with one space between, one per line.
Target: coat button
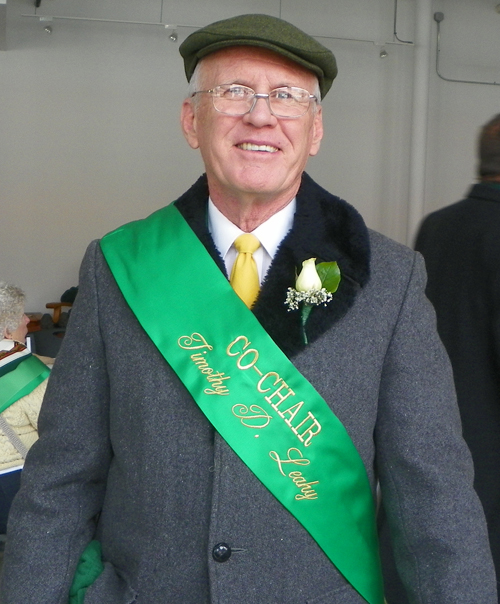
221 552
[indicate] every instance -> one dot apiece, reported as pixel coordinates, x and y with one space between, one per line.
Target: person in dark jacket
461 247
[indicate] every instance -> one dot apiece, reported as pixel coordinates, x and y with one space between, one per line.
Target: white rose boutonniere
314 286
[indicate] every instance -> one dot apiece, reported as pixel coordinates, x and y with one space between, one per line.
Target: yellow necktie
244 276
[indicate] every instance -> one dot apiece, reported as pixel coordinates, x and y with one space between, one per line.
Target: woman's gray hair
12 300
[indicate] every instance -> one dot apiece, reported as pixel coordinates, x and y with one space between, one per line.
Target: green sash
262 406
22 380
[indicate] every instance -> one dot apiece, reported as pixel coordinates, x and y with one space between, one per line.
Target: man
193 449
461 248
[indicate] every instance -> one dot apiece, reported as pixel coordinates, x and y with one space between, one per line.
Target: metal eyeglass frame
255 98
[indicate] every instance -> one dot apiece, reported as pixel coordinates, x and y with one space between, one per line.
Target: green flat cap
266 32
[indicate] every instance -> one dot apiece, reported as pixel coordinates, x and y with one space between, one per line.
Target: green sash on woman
269 414
22 380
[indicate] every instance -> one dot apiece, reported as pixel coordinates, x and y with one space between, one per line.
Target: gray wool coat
126 456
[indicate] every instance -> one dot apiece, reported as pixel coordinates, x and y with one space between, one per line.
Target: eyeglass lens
283 102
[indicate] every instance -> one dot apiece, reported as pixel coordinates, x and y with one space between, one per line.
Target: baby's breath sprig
315 297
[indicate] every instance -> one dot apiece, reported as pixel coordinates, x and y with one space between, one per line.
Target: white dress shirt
269 233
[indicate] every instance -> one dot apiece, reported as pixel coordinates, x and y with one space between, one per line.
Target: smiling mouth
252 147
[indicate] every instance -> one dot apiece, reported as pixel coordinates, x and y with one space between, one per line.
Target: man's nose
260 114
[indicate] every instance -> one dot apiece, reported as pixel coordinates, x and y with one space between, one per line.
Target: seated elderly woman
23 379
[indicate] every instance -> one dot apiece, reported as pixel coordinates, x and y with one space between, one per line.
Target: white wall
470 51
89 134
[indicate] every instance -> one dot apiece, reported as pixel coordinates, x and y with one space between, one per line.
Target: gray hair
12 300
194 82
196 78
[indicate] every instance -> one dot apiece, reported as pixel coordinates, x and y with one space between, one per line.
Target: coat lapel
326 228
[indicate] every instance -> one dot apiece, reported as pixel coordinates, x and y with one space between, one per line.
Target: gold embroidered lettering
199 360
304 486
278 395
264 378
254 417
295 457
216 379
277 390
310 430
251 363
291 458
291 412
238 339
217 382
194 341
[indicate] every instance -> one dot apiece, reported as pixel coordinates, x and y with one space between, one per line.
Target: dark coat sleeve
64 479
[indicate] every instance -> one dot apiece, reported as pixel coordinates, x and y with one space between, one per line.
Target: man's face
255 154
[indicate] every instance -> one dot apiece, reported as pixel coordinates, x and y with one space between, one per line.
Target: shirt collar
270 233
6 344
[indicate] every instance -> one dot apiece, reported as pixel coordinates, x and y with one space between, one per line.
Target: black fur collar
325 227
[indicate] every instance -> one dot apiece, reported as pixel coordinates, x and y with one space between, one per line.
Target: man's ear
188 123
317 131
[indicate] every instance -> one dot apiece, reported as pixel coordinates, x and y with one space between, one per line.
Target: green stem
306 311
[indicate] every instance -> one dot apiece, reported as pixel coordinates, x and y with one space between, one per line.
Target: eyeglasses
234 99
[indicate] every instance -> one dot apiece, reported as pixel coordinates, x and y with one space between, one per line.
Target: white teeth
251 147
